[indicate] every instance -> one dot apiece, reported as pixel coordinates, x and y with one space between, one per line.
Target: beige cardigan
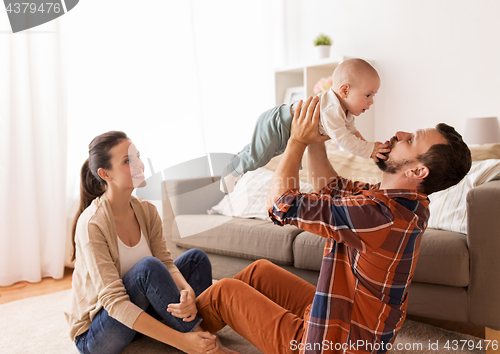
96 278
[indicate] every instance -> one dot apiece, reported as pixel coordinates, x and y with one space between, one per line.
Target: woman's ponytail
90 188
91 185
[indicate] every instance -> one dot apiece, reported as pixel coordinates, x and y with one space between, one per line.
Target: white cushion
248 200
448 207
346 164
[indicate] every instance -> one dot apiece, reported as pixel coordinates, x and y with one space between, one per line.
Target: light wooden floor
24 290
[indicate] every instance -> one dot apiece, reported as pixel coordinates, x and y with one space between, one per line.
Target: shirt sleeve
357 220
352 143
351 127
340 186
342 132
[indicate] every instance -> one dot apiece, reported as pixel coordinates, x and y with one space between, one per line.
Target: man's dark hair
447 163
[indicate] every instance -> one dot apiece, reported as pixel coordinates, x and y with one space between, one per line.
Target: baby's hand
379 150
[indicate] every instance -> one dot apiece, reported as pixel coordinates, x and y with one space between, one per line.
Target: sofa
457 277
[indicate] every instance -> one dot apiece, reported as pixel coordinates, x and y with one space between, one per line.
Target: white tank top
131 255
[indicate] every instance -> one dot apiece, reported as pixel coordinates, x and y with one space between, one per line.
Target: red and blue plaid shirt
373 241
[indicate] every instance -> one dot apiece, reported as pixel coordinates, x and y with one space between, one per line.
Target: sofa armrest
188 196
483 240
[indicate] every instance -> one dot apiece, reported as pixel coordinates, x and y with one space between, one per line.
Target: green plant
322 39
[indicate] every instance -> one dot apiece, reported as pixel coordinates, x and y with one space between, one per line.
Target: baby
355 83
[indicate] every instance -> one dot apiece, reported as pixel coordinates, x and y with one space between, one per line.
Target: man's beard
388 165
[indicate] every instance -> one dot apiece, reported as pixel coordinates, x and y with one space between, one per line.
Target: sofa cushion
449 207
439 250
248 200
245 238
485 152
347 165
308 251
439 302
443 259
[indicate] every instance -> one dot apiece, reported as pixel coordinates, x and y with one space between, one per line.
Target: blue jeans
151 287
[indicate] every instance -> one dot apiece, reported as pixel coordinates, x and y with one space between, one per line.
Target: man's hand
305 122
304 132
379 150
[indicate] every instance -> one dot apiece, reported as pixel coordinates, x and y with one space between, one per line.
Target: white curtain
32 153
182 78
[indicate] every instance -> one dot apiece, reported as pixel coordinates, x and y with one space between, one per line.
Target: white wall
439 61
181 78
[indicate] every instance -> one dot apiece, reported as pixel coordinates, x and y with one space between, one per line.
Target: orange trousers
263 303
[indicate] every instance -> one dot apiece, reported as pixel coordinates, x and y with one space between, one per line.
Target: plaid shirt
372 246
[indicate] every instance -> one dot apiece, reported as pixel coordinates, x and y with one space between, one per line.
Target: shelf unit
307 76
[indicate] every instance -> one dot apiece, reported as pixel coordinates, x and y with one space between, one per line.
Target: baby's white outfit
340 127
273 129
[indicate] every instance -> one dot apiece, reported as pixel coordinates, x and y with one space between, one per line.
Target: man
373 239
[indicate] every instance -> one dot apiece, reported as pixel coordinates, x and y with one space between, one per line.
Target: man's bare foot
223 349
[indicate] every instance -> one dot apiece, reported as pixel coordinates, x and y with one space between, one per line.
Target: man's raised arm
304 132
319 169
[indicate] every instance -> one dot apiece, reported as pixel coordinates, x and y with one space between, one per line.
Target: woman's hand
186 309
199 342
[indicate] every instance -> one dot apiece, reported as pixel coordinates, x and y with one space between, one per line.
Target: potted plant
322 44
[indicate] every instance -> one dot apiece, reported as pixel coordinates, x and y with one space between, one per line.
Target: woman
125 280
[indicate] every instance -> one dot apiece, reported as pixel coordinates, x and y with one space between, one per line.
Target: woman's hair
91 184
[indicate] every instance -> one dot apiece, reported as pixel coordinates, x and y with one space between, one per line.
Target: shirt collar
400 193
